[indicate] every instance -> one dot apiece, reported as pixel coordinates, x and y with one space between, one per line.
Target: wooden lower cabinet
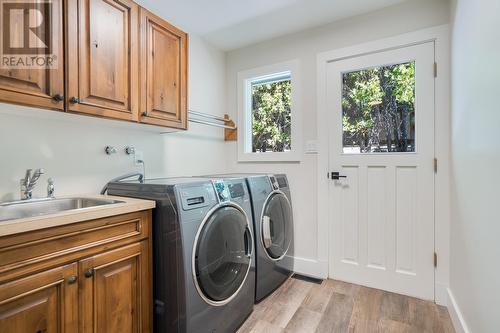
104 285
46 302
112 290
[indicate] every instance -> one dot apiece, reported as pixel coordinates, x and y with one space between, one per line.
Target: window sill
269 157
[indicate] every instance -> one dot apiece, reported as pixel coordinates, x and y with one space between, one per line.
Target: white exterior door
381 138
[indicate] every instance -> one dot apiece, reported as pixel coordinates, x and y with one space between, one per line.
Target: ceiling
231 24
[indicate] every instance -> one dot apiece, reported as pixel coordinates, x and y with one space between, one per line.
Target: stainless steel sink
31 208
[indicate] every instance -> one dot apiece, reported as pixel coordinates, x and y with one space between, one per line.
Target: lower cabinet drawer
18 252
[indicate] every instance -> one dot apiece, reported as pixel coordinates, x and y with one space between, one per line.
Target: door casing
440 36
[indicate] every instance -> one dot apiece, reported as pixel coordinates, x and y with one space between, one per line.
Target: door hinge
435 165
435 259
435 69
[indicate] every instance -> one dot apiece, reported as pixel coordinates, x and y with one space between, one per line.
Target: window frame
245 80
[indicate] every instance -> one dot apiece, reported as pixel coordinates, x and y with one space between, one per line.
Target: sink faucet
28 183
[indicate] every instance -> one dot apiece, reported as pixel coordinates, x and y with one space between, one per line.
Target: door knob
72 279
58 98
336 175
89 272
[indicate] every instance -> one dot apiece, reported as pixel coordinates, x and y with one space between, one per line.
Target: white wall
305 46
71 147
475 227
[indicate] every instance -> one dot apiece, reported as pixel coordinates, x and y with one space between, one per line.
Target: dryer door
277 225
222 254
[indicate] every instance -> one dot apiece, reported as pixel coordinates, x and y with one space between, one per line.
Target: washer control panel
274 183
222 190
237 190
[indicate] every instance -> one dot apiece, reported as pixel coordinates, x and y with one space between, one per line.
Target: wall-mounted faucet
110 150
28 183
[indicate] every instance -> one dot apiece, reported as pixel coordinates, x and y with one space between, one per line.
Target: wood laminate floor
334 306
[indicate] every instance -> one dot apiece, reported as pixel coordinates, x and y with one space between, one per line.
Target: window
272 113
378 109
268 114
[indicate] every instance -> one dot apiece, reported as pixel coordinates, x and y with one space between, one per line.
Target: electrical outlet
138 157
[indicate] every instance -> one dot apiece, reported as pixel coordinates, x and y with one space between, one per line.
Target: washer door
222 254
277 225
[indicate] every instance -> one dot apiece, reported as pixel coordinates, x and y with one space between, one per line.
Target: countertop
129 205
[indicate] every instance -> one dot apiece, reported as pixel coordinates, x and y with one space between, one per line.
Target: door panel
376 225
111 293
165 83
163 72
103 69
406 204
45 302
381 111
37 87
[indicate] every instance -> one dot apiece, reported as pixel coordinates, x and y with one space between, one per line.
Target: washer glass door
223 254
277 225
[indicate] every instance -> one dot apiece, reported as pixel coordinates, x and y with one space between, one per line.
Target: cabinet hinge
435 259
435 69
435 165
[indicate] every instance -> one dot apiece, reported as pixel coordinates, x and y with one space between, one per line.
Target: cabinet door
45 302
102 69
38 87
164 72
116 291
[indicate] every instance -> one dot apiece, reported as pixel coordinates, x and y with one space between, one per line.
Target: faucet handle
36 175
39 172
50 188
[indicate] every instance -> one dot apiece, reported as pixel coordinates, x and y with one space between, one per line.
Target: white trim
245 122
441 294
310 267
440 35
456 315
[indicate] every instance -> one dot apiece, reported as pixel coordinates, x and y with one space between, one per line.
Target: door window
378 109
277 226
222 257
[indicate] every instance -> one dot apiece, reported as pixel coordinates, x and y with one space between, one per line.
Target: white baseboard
310 267
456 315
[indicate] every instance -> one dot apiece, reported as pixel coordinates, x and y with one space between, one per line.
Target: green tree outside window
271 116
378 108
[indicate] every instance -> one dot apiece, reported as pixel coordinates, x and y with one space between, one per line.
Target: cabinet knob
73 100
145 114
58 98
72 279
89 272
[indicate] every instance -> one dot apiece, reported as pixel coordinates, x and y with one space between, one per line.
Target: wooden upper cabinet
163 72
38 87
102 66
120 61
45 302
114 286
